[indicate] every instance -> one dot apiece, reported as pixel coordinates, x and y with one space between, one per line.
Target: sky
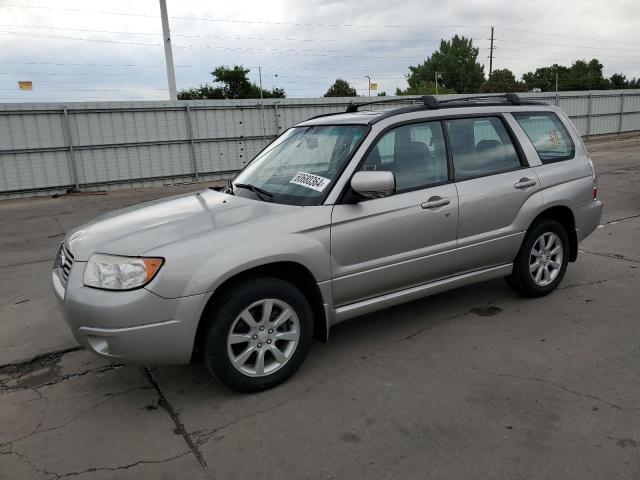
88 50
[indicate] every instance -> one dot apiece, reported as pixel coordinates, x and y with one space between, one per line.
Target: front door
387 244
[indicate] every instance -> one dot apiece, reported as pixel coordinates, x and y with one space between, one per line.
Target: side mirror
374 184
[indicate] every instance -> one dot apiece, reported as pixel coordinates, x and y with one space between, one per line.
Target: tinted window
416 154
480 146
548 135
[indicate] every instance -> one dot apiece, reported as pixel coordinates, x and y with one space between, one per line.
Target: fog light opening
99 344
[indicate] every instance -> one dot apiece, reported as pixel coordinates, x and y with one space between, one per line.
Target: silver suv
342 215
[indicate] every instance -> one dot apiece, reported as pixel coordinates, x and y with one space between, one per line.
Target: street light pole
168 54
369 79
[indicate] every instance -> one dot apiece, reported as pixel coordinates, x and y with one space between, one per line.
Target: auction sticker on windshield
309 180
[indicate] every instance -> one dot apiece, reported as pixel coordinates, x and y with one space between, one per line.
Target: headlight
111 272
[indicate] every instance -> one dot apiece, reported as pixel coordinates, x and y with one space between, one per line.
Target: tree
581 75
341 88
618 80
232 83
503 81
424 87
382 94
544 78
455 63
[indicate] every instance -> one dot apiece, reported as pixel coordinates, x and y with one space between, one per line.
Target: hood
134 230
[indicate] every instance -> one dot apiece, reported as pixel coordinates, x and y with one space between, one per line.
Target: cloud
301 46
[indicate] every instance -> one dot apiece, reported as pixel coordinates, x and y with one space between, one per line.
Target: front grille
65 261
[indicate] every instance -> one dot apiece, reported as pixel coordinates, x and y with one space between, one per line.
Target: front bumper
134 326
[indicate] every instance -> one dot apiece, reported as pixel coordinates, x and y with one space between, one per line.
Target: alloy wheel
545 259
263 337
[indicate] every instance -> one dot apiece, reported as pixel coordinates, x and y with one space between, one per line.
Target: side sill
346 312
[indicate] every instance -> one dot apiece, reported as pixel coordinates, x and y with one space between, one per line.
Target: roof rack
432 103
511 98
353 107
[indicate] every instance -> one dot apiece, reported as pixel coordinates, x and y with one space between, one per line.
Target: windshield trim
323 198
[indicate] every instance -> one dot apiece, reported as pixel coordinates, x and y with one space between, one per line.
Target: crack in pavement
618 220
615 256
26 263
203 436
56 476
37 430
43 357
597 282
180 430
17 371
558 386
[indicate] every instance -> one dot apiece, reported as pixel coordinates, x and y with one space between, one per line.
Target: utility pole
168 54
264 126
556 88
436 77
491 55
369 78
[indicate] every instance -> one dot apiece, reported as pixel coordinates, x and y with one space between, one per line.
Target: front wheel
542 260
259 335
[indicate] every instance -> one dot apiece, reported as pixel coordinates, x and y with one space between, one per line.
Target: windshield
300 166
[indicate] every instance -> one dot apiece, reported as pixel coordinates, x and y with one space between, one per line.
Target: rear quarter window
548 135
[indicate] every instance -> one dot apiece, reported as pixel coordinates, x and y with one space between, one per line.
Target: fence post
589 114
72 156
275 111
192 145
621 113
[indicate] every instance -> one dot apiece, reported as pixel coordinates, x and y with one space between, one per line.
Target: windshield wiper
261 193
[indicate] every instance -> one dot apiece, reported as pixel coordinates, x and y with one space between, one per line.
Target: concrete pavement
472 383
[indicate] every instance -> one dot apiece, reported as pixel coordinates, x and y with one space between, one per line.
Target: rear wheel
542 260
259 335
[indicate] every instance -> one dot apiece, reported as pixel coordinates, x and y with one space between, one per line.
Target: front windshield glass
300 166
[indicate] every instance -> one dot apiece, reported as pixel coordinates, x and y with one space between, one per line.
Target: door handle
525 183
436 202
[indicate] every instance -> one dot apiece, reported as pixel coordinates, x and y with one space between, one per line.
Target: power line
10 33
558 53
90 64
259 22
548 34
222 37
289 52
565 46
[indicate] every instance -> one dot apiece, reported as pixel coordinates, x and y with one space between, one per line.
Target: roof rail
353 107
432 103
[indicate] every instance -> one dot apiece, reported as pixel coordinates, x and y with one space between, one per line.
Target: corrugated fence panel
98 128
131 144
220 156
135 162
631 122
217 123
31 131
28 171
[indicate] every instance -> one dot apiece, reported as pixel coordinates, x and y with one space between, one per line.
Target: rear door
496 189
387 244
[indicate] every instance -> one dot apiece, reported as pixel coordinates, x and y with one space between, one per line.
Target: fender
201 263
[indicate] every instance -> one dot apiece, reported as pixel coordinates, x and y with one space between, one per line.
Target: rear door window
480 146
548 135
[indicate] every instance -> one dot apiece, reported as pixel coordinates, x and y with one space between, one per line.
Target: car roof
352 116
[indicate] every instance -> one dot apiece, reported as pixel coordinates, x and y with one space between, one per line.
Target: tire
238 334
536 276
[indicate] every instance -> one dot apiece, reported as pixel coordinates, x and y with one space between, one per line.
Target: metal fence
48 148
